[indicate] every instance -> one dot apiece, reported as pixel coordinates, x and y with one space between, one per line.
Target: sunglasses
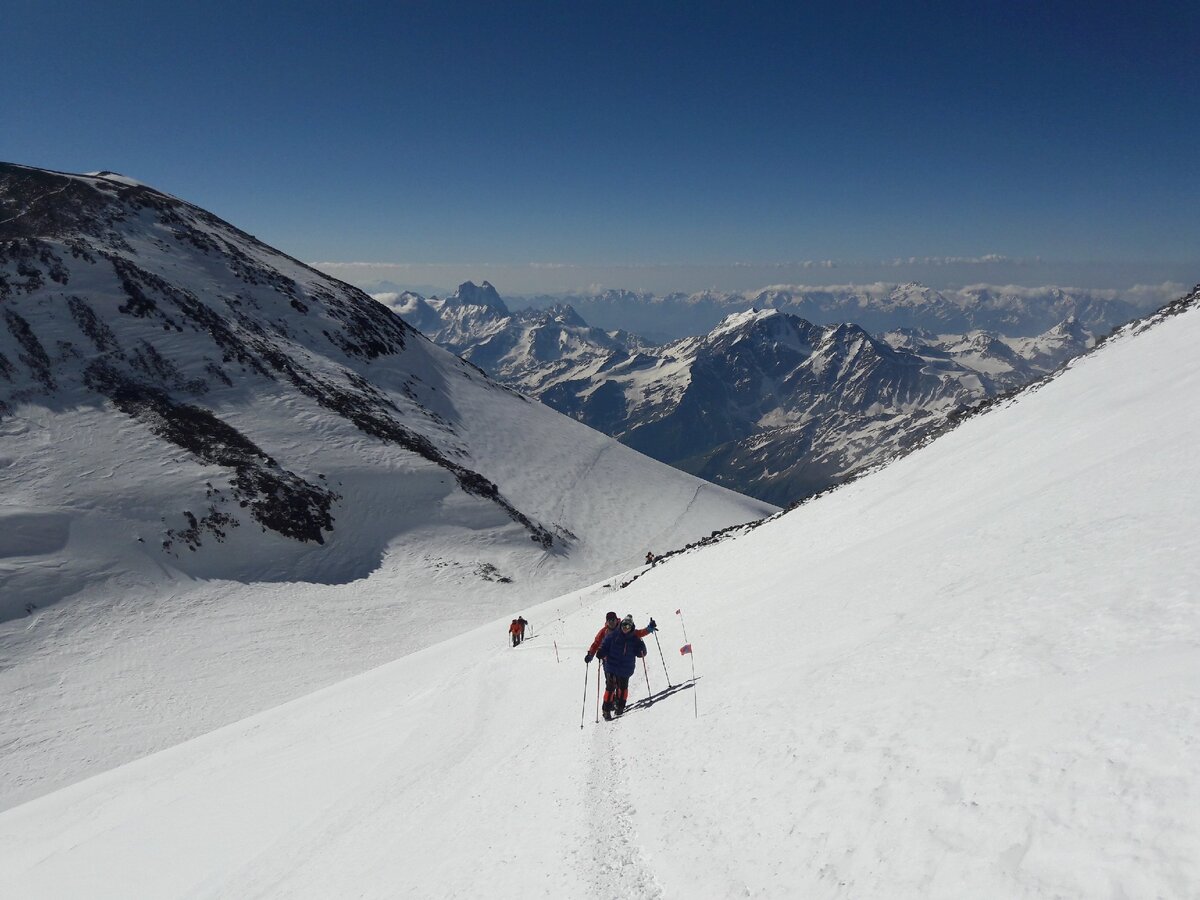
626 627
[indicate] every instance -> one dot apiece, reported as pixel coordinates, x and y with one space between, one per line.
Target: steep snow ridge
972 673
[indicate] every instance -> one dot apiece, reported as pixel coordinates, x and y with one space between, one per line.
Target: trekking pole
583 712
695 702
664 660
649 693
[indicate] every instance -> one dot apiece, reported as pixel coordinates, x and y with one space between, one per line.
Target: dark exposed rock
214 522
101 336
35 356
277 498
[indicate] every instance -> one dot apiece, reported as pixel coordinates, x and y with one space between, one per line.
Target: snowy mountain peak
564 314
244 380
471 294
740 320
914 295
119 293
118 177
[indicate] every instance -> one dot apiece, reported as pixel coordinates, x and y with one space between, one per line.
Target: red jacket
604 629
514 628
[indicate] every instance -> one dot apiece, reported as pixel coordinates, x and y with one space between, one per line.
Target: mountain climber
620 650
610 625
521 621
650 558
515 631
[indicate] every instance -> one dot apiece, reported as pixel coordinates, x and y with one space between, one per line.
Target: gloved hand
588 658
641 651
600 654
652 627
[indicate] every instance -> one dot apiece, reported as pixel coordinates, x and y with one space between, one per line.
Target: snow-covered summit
471 294
737 321
118 177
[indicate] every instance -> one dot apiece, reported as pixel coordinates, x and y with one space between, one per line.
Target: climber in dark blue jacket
620 650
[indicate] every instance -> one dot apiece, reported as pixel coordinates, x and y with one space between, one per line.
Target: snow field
112 648
973 673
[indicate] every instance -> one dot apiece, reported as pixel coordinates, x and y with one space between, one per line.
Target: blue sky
630 143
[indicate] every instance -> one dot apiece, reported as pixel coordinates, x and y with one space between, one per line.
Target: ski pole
695 702
583 712
664 660
649 693
598 668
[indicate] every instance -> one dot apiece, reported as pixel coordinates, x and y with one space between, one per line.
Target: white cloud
986 259
950 273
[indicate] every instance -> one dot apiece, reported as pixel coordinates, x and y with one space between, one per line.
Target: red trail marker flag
686 650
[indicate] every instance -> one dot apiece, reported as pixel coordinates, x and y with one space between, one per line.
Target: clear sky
607 142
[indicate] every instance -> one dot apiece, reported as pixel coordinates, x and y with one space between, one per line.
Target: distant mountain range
767 402
1011 311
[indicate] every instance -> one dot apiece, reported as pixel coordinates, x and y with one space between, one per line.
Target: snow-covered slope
207 447
975 673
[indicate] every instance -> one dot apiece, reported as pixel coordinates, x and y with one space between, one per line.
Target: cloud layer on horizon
940 272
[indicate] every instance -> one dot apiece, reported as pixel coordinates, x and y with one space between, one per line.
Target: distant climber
620 650
514 631
651 559
521 621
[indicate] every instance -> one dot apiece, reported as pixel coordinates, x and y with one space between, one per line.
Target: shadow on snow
647 702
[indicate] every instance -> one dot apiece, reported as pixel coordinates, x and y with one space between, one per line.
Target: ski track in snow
618 867
40 198
563 500
690 503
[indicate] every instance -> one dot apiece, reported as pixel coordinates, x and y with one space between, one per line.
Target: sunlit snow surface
975 673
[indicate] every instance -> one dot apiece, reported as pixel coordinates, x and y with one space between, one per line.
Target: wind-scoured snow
975 672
